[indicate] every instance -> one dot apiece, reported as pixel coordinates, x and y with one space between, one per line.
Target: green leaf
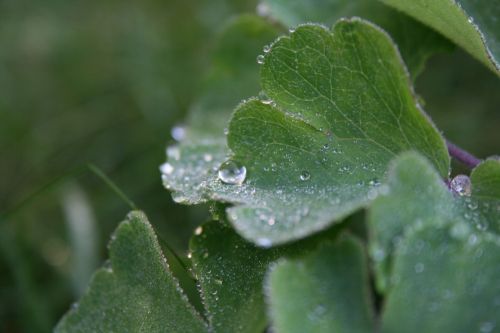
473 25
486 180
415 41
341 108
444 281
232 77
231 271
328 291
417 194
135 292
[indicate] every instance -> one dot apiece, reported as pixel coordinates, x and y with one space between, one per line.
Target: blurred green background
103 82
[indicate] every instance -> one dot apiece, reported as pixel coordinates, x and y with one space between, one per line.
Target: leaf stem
462 155
99 173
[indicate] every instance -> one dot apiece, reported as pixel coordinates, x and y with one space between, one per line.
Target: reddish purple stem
462 156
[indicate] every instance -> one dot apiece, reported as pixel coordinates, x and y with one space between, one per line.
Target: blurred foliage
103 82
82 82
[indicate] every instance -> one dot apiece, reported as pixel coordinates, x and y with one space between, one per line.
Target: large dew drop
233 173
461 185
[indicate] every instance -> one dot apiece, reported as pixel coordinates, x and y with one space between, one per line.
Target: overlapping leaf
136 292
231 271
339 108
472 24
418 194
436 253
415 41
444 280
328 291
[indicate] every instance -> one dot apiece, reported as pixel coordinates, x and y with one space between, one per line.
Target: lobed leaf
415 41
471 24
444 281
328 291
340 109
417 194
135 292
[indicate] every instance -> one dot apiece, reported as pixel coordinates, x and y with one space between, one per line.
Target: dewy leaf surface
340 109
472 24
415 41
231 271
417 194
444 280
327 291
233 76
134 293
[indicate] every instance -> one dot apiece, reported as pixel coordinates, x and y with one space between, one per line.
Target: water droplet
419 268
266 48
264 242
260 59
264 98
178 133
374 182
291 30
305 175
461 185
472 239
263 9
472 205
482 225
166 168
174 152
190 255
271 221
207 157
344 169
232 173
198 231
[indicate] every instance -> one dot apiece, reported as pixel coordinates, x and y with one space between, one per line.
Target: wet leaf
341 109
233 76
473 25
135 292
231 273
486 180
415 41
327 291
444 281
417 194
